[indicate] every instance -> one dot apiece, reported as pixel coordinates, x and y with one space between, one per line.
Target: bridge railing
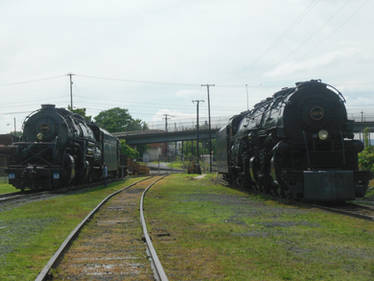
188 124
358 117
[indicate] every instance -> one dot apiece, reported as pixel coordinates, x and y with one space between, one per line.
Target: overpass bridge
160 136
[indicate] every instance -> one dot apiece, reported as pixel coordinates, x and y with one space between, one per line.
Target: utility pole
71 89
197 128
246 90
176 143
210 131
166 117
362 120
15 128
182 151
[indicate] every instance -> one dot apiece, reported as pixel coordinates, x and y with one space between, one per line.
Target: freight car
60 148
296 144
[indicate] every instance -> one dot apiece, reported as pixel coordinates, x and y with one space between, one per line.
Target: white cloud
313 63
173 115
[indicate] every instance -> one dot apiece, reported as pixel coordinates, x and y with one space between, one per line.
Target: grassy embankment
7 188
219 233
31 233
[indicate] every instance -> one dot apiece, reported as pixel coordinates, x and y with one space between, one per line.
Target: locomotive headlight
39 136
323 135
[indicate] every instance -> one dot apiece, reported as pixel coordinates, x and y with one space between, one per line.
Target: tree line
117 120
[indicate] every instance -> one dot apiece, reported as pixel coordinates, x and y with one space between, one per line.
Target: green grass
221 233
31 233
7 188
177 165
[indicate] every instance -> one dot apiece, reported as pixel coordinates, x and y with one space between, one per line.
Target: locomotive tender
60 148
296 144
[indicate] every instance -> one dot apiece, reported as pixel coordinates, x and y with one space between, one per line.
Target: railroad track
30 195
108 243
19 198
11 196
350 209
353 209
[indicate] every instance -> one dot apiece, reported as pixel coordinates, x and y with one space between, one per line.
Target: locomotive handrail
337 91
27 117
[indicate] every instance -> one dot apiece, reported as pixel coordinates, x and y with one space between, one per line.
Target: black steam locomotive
60 148
296 144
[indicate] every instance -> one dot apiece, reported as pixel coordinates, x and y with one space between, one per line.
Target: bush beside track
30 234
207 231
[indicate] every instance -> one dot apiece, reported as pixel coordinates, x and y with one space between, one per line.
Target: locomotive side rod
43 275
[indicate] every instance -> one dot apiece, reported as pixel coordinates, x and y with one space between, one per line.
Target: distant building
153 152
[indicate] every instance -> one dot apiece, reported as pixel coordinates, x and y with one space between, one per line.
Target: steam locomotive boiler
60 148
297 144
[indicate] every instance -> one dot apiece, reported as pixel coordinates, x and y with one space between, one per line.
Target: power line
289 27
138 81
30 81
16 112
327 38
166 83
318 31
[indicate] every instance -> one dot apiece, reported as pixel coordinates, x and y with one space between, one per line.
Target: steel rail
330 209
52 261
28 193
19 195
65 189
346 212
159 270
10 194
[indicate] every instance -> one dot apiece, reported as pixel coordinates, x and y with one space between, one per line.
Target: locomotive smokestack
48 106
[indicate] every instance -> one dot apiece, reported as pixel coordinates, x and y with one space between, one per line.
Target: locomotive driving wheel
69 168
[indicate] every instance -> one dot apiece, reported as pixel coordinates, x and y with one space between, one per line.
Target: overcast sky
120 51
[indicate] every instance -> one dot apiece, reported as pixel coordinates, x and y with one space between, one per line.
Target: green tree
82 112
118 120
366 159
128 150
